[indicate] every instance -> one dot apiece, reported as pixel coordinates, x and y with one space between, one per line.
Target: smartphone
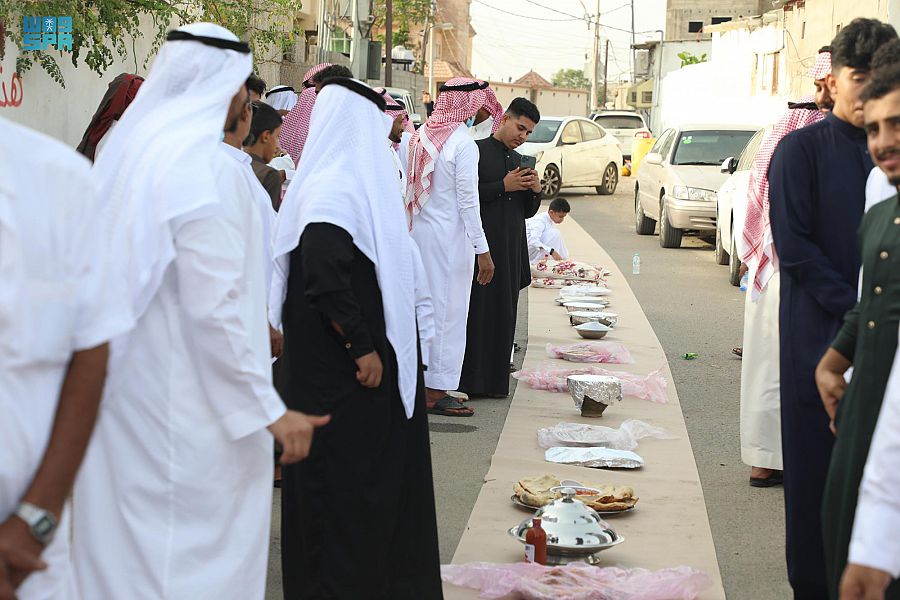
528 162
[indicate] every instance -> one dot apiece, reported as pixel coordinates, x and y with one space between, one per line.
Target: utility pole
431 52
359 46
605 68
633 51
388 42
594 53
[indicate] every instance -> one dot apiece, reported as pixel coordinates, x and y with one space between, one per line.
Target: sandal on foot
450 407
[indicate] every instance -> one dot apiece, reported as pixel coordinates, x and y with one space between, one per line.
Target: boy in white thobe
544 238
55 321
174 498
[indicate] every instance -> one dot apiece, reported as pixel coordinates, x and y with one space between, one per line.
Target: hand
485 268
863 583
536 186
556 255
276 342
20 556
743 270
517 180
294 431
369 370
830 381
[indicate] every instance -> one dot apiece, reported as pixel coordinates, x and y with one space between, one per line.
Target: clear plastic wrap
591 352
578 434
548 377
576 581
594 457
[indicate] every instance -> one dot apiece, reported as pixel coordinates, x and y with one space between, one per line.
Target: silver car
677 181
624 125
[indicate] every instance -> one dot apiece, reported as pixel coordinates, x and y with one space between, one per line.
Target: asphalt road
692 308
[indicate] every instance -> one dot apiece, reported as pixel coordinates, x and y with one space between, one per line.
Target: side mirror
416 118
653 158
729 165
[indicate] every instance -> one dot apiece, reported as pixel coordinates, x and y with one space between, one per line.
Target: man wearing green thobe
868 339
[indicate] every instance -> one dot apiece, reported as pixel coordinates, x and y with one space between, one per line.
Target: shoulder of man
39 151
806 140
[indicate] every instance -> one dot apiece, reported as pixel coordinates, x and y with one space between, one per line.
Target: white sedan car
625 125
678 179
732 207
574 152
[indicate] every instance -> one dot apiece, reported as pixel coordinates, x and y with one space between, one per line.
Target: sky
515 36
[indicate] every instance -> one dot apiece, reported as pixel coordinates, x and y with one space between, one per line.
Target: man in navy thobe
817 181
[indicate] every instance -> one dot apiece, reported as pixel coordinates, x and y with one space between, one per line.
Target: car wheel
669 237
551 183
610 180
643 225
734 266
722 257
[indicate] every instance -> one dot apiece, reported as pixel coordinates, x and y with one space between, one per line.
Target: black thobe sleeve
491 190
327 254
793 211
532 205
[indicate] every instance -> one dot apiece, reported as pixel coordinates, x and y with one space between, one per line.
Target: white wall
559 102
64 113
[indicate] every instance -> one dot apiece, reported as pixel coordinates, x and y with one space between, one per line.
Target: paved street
692 308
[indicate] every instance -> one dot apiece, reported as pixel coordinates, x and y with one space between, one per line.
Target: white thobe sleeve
467 195
875 542
424 304
210 259
101 315
534 231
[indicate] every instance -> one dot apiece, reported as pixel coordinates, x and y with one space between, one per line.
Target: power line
551 9
527 16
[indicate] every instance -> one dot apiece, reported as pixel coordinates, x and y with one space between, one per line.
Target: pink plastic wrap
576 581
650 387
591 352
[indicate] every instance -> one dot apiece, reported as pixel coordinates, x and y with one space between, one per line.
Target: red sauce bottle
536 543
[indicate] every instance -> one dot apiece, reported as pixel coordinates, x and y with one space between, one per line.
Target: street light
442 27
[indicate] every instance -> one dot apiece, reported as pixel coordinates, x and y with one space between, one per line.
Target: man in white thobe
442 204
542 233
55 321
174 498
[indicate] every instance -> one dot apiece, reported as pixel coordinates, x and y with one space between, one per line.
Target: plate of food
532 493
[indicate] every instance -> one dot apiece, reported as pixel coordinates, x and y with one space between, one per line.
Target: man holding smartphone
509 192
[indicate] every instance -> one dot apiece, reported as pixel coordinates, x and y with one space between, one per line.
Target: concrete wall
679 13
562 102
64 113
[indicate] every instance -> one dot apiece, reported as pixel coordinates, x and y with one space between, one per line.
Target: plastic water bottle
745 282
636 264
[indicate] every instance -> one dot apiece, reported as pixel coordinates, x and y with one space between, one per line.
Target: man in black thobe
817 181
358 515
508 195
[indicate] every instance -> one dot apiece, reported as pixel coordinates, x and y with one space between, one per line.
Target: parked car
732 206
625 125
678 179
574 152
403 96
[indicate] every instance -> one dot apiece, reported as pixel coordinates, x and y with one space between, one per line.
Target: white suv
624 125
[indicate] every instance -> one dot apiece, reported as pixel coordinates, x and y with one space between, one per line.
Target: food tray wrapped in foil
594 457
600 388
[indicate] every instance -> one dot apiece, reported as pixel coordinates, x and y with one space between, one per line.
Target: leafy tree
103 29
407 15
571 78
690 59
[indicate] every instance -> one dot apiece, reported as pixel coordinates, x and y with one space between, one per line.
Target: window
662 142
544 131
695 27
571 134
646 97
749 153
710 147
717 20
619 121
590 131
667 146
633 97
340 41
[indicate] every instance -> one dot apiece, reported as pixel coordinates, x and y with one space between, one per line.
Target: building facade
688 19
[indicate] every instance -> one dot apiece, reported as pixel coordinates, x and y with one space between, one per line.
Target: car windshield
709 147
619 122
544 131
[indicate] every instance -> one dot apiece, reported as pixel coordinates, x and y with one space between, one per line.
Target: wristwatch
41 523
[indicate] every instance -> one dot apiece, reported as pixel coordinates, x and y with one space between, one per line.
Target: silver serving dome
572 527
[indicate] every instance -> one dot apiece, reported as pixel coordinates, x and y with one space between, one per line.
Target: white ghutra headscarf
347 178
158 164
281 97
